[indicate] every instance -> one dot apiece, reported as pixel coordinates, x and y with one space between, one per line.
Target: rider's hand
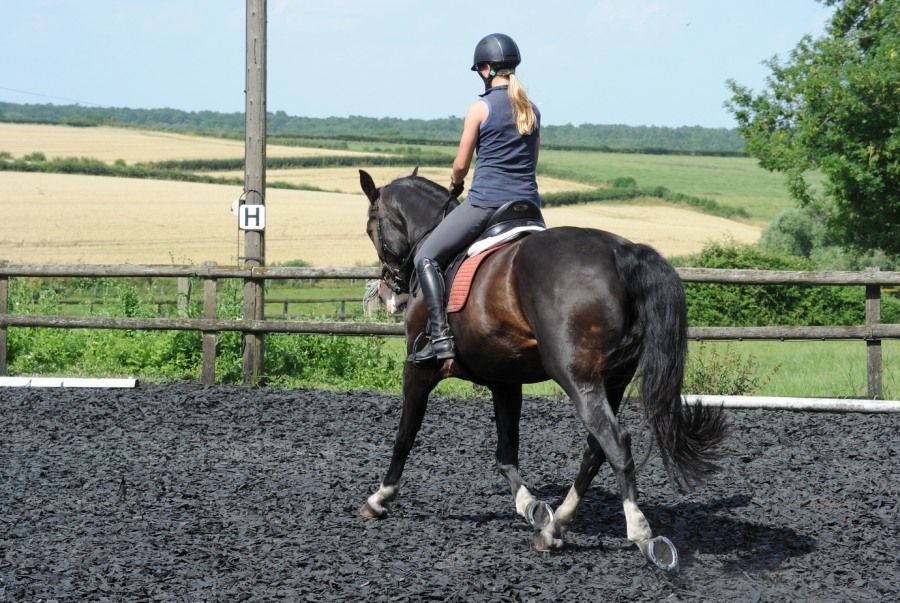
456 189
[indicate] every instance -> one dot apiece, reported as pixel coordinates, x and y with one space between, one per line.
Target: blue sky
635 62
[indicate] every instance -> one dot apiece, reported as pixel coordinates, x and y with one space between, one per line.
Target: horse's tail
687 435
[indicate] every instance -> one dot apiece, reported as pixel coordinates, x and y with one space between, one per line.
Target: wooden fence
872 332
181 302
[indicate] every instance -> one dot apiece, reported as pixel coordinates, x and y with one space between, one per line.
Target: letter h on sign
252 217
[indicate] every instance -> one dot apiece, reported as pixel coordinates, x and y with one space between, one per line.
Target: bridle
397 279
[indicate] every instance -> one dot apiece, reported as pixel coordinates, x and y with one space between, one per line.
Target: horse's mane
421 187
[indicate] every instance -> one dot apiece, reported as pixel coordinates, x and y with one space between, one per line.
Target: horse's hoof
546 544
661 552
539 514
370 512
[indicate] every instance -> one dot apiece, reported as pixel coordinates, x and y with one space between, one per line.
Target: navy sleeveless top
506 161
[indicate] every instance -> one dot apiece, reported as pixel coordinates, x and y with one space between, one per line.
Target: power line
62 98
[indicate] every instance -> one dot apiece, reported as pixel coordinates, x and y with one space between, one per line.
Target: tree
834 108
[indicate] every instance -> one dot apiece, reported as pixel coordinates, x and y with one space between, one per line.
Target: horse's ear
415 172
368 185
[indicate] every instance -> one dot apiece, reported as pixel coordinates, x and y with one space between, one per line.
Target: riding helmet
497 49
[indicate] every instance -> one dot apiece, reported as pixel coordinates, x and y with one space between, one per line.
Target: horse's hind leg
596 413
417 384
507 412
551 536
591 460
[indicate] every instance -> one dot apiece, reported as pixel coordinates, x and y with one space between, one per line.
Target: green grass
326 310
730 181
826 369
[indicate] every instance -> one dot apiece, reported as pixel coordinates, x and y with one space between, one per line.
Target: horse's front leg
507 412
417 384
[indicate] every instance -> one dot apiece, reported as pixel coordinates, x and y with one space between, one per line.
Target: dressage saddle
511 221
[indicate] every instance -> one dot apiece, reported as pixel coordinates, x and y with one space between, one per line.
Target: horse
584 307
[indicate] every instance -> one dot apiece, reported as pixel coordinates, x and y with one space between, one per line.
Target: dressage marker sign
252 217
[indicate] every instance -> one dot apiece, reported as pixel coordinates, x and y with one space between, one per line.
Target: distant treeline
619 138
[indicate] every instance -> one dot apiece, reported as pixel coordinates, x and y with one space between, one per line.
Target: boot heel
444 348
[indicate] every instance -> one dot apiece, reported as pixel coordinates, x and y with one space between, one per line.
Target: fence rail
872 332
284 302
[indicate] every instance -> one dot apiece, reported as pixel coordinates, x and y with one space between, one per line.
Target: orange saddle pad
462 282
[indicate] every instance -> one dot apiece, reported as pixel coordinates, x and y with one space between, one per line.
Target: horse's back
553 290
559 260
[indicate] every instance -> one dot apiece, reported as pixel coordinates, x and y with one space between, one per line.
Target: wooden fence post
210 338
183 297
873 346
4 309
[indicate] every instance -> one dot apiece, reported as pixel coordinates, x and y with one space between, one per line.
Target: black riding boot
440 341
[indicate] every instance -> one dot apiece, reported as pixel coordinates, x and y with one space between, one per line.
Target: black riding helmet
497 49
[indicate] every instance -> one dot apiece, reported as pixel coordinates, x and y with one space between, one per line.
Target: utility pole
255 184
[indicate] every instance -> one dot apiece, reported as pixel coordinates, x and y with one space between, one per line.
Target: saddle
511 221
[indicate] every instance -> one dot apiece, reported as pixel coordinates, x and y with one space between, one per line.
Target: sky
633 62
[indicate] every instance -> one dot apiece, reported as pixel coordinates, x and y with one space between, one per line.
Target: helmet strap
487 80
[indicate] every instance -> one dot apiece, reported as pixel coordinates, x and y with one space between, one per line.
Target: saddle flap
463 277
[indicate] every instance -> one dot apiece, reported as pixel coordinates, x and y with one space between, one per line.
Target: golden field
55 218
132 146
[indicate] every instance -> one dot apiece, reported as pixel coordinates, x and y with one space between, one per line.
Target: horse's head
400 215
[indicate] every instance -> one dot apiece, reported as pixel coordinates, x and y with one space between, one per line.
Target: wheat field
133 146
56 218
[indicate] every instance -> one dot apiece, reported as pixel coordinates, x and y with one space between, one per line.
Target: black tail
687 435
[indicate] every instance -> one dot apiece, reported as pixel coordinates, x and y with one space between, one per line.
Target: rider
504 128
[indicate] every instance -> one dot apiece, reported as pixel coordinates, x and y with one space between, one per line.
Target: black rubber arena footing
180 492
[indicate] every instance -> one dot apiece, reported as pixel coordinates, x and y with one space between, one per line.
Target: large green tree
833 108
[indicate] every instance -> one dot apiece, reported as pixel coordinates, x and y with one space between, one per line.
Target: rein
397 279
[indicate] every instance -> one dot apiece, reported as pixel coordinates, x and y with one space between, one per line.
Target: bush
793 232
761 305
710 370
802 233
344 362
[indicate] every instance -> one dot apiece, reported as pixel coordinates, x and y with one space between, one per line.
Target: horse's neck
420 219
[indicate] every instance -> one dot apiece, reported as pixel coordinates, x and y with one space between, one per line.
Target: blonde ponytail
523 112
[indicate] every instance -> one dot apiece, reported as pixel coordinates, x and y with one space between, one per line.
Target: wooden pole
182 297
255 184
873 345
210 338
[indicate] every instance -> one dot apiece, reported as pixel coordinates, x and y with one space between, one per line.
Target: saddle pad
479 246
462 282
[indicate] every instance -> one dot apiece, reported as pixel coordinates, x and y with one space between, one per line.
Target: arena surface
179 492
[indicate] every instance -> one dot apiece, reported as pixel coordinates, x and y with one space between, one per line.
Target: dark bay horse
583 307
